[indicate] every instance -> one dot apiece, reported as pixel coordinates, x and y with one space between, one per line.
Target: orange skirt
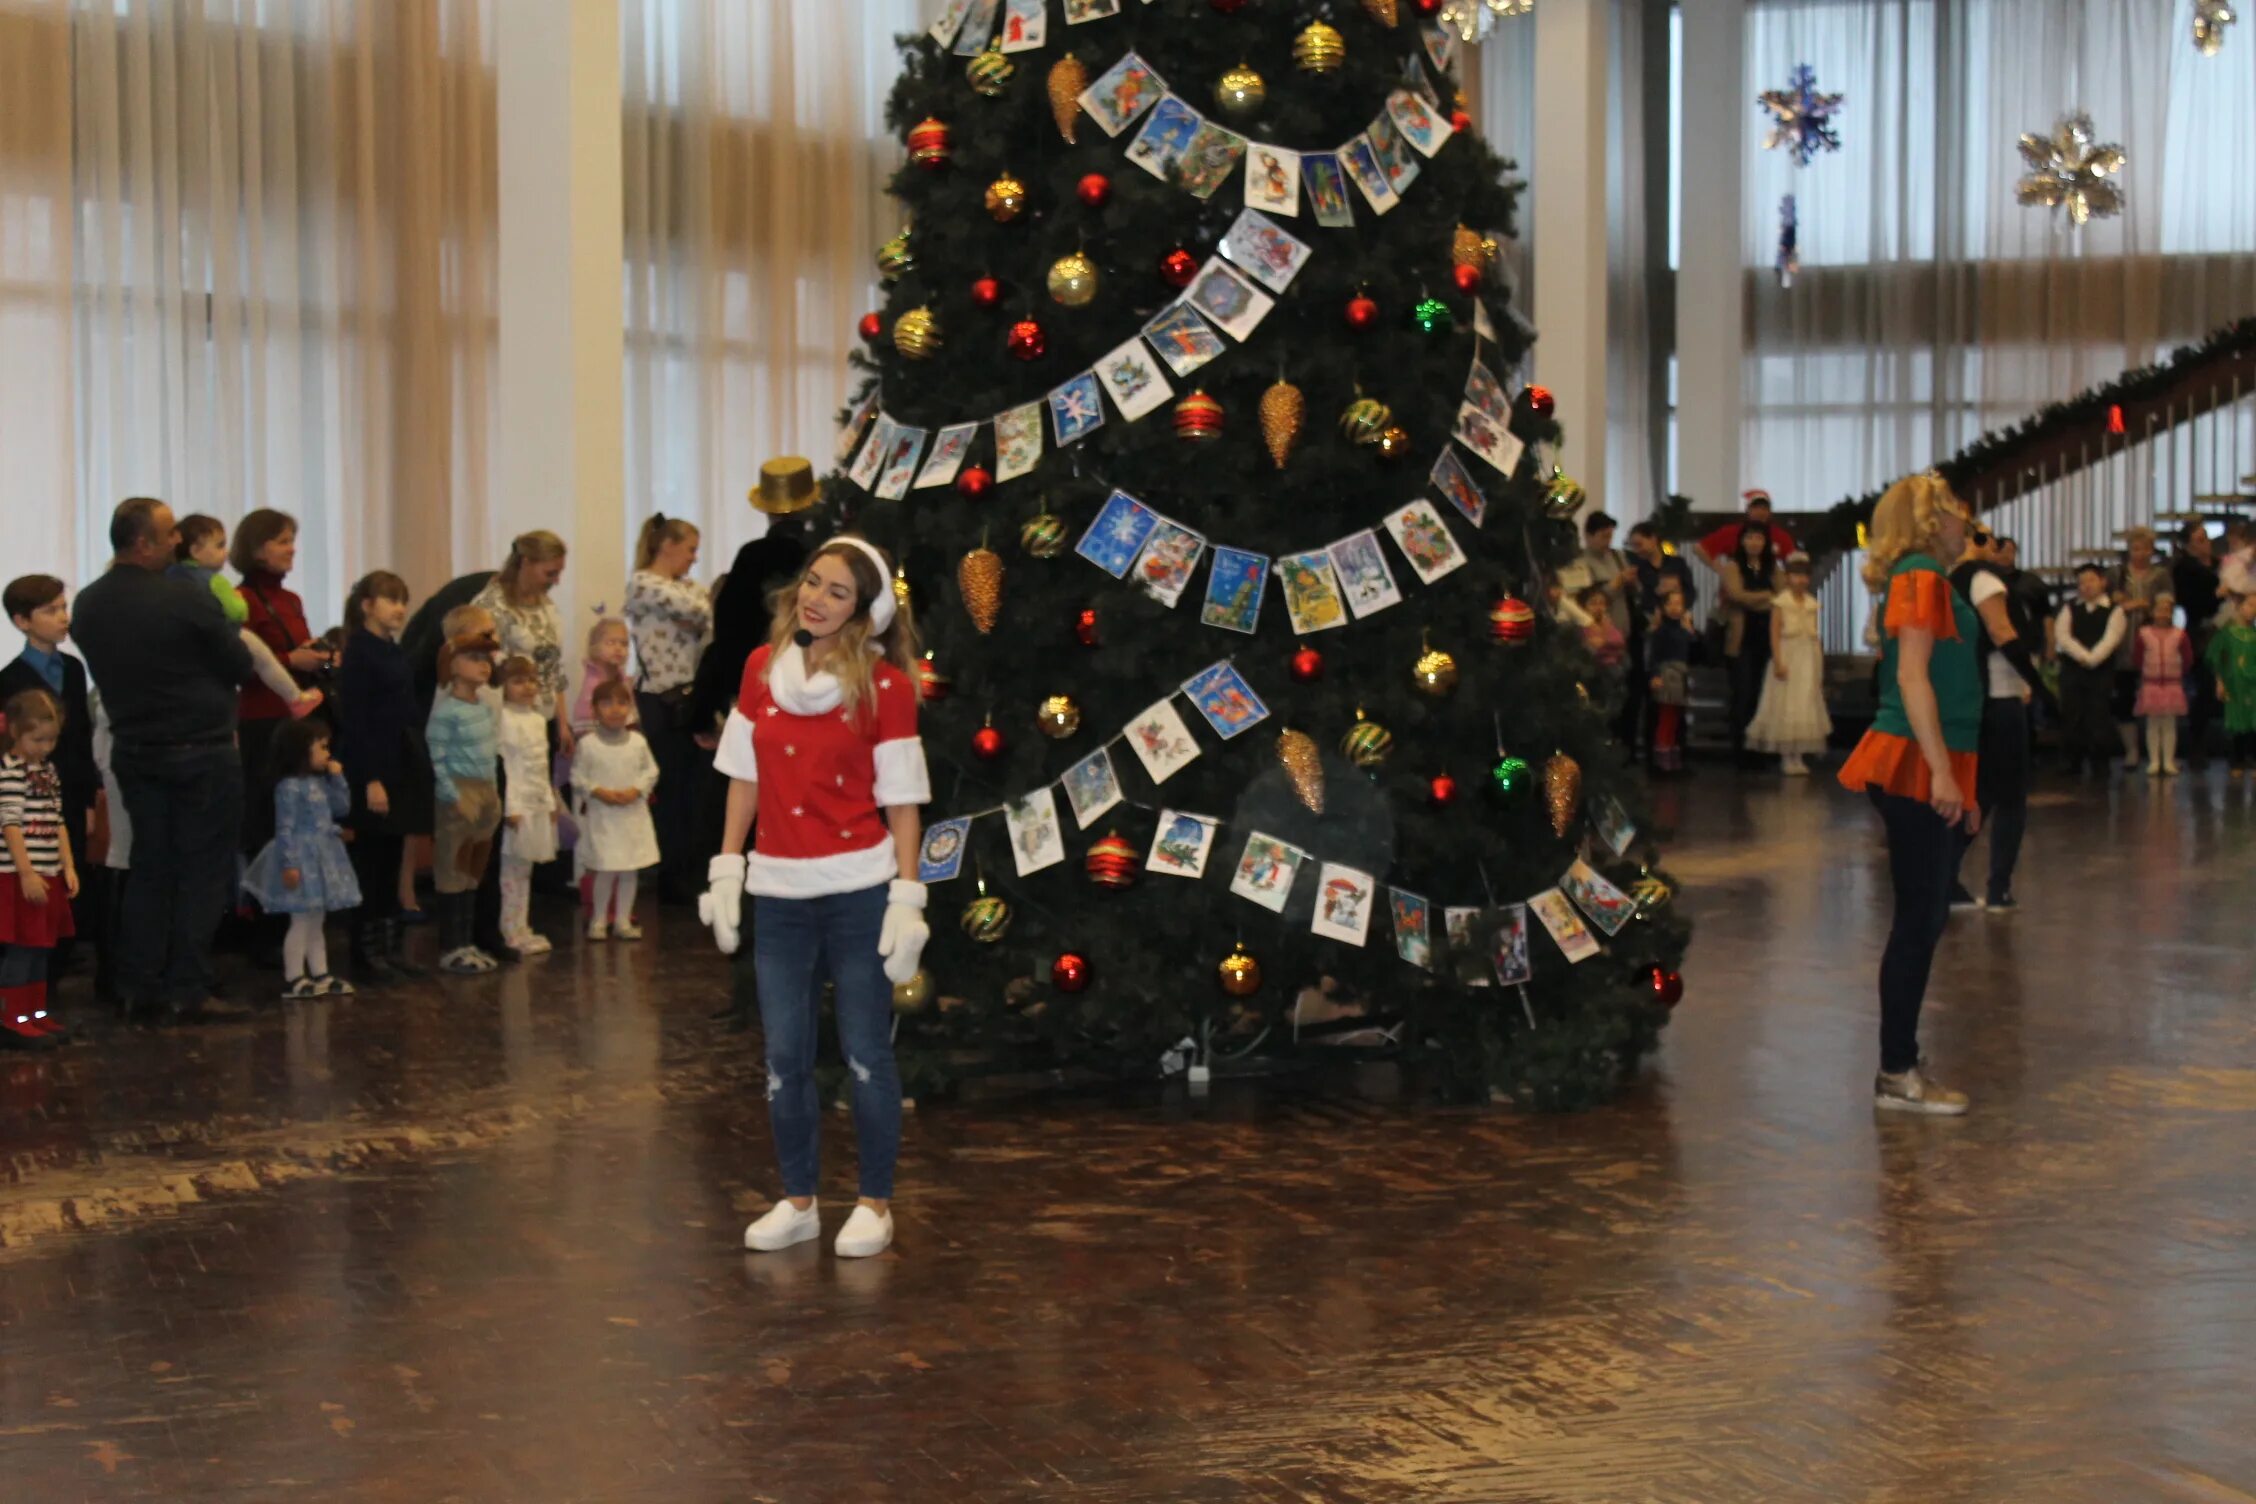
1894 765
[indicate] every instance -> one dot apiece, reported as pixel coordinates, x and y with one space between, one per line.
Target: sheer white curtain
1932 306
756 156
247 254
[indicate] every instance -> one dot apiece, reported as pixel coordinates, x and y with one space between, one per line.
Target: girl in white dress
1792 720
529 810
613 773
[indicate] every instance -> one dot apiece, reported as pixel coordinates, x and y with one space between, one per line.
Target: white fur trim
734 757
821 876
901 774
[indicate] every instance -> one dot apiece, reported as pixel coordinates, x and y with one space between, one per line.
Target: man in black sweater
168 663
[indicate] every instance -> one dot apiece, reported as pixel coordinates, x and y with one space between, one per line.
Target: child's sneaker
598 930
526 943
336 987
302 989
627 929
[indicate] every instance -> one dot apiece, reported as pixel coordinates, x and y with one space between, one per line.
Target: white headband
882 607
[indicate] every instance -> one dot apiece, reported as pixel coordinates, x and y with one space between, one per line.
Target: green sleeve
230 600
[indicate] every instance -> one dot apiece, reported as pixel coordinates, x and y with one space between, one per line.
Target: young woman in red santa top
823 747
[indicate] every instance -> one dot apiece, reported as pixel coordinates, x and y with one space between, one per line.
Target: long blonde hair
1905 522
658 531
855 657
537 547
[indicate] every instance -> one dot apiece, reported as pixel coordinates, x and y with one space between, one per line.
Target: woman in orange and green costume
1917 763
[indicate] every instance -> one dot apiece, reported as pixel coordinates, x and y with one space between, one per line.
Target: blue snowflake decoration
1801 118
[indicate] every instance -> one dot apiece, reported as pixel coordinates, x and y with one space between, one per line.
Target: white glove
721 905
901 942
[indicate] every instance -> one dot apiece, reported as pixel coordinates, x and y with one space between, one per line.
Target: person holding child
304 871
38 874
462 737
198 559
613 774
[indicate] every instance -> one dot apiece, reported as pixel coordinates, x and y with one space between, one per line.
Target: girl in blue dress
304 871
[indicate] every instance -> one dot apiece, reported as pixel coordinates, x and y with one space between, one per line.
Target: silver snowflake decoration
2068 171
2210 18
1801 118
1473 20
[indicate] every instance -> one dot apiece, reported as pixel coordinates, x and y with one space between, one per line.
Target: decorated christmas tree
1193 417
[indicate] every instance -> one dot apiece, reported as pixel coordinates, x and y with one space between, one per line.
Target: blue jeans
794 941
186 805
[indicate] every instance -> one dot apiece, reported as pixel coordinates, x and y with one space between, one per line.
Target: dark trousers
681 859
2003 788
186 806
1923 855
2087 717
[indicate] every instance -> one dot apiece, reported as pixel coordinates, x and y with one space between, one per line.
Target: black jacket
377 711
424 634
74 751
168 660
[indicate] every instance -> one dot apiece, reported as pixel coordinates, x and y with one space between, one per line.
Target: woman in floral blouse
670 616
529 623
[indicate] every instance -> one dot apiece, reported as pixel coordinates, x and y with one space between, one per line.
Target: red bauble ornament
1095 190
1442 790
1362 311
1027 341
986 292
872 326
987 743
1540 401
1511 621
1069 972
1460 122
1307 666
1228 7
975 481
1178 267
1428 7
932 684
1198 416
1667 985
1112 862
1086 629
929 143
1468 278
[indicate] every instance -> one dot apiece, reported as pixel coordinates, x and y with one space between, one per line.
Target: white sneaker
784 1225
627 929
598 930
526 943
865 1233
1796 768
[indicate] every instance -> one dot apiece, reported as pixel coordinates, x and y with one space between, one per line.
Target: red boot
45 1017
20 1029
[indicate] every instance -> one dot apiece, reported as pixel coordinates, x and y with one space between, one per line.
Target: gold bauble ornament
990 71
1059 717
1073 280
1394 442
913 994
1238 974
896 258
1282 409
1562 791
980 577
1366 420
1564 497
1385 12
1435 673
1069 79
1651 892
1044 537
1304 767
1320 48
1367 743
1240 93
1469 247
1006 199
916 334
985 919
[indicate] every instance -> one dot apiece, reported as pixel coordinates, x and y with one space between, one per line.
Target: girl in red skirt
37 877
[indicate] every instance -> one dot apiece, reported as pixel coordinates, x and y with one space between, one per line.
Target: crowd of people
205 769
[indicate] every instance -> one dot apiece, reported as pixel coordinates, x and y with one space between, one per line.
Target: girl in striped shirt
37 877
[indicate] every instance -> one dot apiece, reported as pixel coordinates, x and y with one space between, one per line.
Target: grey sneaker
1913 1092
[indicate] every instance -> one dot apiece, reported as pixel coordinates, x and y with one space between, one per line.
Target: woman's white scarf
799 692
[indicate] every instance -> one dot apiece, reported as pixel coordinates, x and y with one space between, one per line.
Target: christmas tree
1192 419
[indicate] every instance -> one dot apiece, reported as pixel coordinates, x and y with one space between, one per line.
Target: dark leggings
1923 855
375 853
2243 748
2004 788
1747 672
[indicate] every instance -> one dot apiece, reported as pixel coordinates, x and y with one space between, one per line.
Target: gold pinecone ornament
1304 766
1283 409
1562 791
980 577
1069 79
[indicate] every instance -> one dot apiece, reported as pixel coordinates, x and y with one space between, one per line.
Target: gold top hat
787 485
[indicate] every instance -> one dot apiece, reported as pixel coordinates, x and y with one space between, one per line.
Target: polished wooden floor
480 1242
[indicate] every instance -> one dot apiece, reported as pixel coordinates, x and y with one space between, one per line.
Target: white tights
2161 741
516 897
619 888
305 949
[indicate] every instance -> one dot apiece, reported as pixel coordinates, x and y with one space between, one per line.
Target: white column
561 457
1711 277
1570 227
